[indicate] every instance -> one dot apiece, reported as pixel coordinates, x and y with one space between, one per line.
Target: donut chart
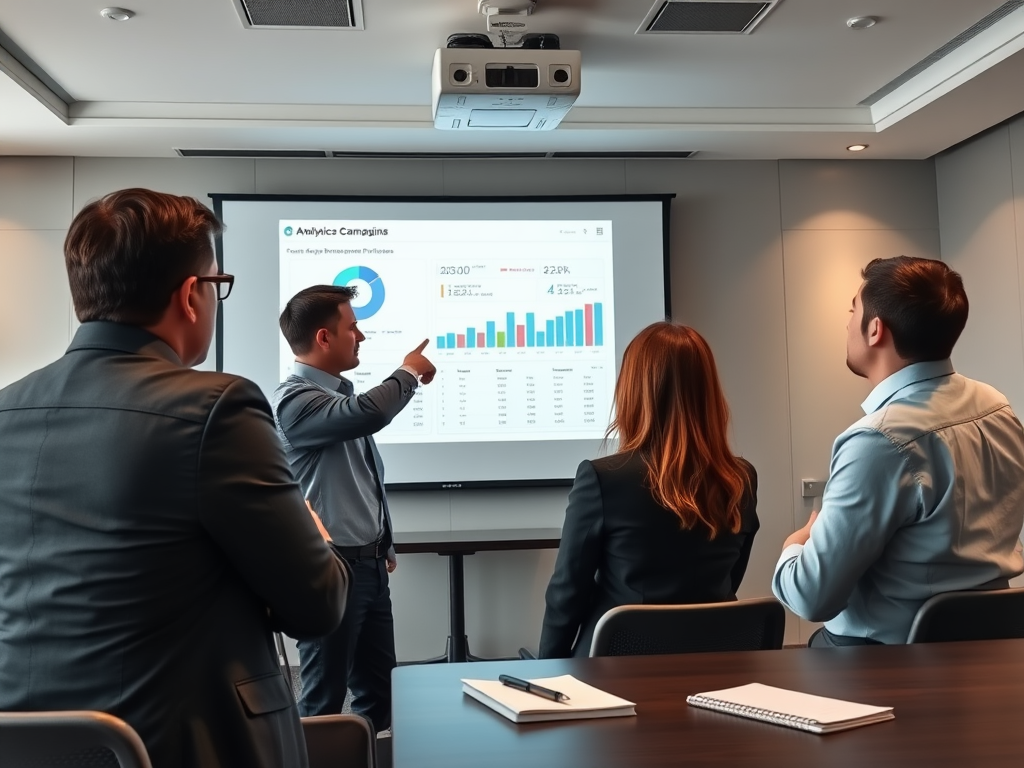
371 278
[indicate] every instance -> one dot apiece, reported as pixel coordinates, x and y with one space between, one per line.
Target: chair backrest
740 625
73 739
340 741
982 614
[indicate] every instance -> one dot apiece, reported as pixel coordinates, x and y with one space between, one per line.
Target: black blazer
620 547
152 537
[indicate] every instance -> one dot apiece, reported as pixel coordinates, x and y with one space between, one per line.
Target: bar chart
577 327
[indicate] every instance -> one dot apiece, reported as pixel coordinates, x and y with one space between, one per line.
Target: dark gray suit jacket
620 547
152 538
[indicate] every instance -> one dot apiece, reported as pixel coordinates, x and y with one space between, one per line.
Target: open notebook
817 714
521 707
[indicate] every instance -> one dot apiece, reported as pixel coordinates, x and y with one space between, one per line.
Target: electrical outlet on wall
811 488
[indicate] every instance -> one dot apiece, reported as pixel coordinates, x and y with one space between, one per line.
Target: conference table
455 545
956 704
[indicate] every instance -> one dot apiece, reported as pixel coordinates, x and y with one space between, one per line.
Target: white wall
981 207
35 211
764 257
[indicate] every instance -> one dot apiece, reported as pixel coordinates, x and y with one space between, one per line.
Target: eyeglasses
224 284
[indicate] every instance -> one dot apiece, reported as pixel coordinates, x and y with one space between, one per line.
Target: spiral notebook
779 706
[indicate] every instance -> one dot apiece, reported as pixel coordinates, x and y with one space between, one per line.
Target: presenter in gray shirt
327 432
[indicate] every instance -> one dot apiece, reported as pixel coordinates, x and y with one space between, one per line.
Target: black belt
373 550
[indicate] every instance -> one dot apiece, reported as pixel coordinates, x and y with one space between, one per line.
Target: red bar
460 340
588 325
520 335
481 339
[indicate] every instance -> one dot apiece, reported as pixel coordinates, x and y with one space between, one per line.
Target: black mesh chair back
340 741
75 739
983 614
641 630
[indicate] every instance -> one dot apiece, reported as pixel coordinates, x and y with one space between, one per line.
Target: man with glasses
153 536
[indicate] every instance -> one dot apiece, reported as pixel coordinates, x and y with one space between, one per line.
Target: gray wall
765 258
981 207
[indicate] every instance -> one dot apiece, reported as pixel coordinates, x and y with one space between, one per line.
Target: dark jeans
359 654
822 638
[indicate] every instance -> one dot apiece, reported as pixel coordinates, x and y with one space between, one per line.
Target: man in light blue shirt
926 492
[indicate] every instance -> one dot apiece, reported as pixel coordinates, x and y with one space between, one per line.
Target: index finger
422 346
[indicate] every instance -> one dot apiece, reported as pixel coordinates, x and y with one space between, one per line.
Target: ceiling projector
510 89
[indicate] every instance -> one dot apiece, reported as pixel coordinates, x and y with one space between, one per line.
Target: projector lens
460 75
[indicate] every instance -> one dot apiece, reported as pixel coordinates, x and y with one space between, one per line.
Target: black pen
528 687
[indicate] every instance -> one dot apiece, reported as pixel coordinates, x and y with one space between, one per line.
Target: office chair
340 741
739 625
74 739
981 614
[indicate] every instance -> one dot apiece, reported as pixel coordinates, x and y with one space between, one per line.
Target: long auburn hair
670 409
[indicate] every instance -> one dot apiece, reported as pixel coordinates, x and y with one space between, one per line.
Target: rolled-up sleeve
310 417
869 495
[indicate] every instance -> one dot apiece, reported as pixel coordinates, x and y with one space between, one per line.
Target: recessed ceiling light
861 22
117 14
857 147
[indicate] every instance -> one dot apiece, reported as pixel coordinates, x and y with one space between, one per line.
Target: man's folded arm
251 506
868 497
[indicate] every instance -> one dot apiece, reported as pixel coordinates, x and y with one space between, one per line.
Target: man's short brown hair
921 301
311 309
127 252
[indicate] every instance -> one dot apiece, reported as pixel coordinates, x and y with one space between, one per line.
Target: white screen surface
526 304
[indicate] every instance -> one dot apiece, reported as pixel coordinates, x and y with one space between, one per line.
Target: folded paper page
522 707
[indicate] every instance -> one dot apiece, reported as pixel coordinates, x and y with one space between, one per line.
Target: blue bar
510 329
440 342
531 334
559 331
580 339
540 338
451 341
598 324
471 337
490 333
549 333
569 325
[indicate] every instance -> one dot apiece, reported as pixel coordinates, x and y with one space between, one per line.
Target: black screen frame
664 198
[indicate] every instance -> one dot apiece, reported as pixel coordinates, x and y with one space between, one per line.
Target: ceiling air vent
971 32
300 14
704 17
259 153
381 155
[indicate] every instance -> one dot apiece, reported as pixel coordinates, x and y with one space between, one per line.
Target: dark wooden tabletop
956 704
467 542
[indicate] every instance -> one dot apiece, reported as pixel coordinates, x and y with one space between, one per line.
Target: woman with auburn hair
669 518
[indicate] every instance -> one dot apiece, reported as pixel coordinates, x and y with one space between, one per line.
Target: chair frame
615 617
35 736
965 604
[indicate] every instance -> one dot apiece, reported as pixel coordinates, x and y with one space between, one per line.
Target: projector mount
507 23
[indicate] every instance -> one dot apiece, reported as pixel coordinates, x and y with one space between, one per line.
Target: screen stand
456 648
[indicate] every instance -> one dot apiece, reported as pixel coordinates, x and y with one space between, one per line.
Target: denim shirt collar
317 376
904 377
